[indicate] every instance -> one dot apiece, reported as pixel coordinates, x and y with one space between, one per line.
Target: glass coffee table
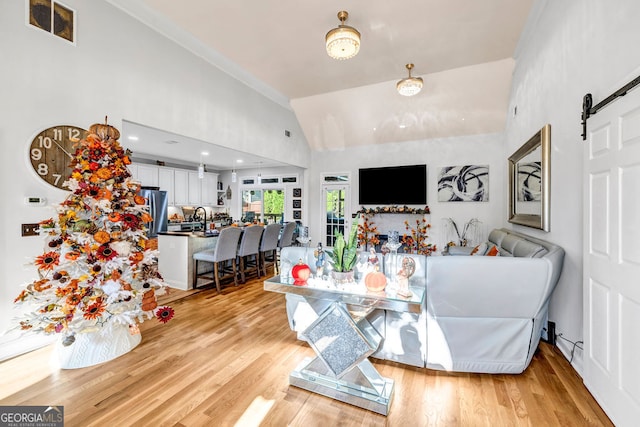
343 338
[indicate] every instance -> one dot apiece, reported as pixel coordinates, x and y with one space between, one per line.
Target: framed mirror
530 181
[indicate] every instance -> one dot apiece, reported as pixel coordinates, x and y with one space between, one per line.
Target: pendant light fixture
411 85
343 42
234 176
259 172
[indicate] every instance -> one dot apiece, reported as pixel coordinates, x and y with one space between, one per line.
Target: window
260 205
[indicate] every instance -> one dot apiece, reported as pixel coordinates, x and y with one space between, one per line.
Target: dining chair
224 252
286 238
268 247
250 248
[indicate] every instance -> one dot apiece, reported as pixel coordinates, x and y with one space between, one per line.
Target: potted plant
344 256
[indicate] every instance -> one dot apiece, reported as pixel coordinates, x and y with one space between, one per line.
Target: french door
337 212
611 259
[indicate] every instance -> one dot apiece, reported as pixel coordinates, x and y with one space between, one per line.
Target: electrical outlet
551 333
30 229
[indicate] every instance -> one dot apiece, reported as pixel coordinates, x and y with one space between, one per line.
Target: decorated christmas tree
97 271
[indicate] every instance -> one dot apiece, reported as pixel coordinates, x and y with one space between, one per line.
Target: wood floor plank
225 359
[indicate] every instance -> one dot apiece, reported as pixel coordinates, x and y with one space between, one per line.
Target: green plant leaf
338 252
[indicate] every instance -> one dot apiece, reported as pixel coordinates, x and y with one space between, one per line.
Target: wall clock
51 152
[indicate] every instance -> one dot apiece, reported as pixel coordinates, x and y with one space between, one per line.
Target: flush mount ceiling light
343 42
410 85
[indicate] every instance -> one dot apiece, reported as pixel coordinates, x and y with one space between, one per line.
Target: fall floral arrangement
394 209
416 240
367 232
95 271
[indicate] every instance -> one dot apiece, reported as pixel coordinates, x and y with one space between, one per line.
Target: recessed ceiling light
132 138
205 153
239 161
402 126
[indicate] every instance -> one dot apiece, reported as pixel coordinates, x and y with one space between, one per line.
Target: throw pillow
493 251
480 250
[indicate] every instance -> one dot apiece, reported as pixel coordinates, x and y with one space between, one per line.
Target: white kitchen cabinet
195 192
180 187
166 183
147 175
210 189
133 170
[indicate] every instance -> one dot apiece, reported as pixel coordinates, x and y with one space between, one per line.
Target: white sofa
482 314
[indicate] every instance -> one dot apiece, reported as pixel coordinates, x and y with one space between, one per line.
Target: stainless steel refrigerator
158 209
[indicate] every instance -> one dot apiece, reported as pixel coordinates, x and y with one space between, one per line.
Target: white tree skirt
94 348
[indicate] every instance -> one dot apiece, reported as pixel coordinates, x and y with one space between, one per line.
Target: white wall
477 149
570 48
122 69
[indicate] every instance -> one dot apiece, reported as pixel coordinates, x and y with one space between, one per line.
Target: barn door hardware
588 109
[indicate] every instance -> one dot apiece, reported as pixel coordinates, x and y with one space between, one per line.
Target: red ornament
300 273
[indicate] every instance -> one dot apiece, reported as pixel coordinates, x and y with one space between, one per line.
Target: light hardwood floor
224 360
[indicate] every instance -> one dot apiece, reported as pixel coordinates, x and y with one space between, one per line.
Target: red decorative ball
300 273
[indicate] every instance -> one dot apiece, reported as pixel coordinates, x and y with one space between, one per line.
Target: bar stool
268 247
225 250
250 247
286 239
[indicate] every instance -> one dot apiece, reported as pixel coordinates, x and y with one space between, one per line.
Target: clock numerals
50 153
45 141
36 154
74 133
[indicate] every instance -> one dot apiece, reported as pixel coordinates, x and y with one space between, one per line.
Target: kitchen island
175 258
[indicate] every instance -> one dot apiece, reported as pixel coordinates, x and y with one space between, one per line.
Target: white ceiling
463 49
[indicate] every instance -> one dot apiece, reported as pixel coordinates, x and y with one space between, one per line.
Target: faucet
204 225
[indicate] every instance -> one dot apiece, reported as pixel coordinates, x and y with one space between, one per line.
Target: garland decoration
393 210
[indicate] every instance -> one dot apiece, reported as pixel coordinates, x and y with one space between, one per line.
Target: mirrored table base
341 369
362 386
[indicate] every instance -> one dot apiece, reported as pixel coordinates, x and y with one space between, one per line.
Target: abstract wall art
468 183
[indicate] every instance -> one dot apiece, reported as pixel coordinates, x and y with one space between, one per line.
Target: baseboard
12 345
565 348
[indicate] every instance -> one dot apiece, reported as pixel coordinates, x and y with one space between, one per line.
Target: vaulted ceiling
463 49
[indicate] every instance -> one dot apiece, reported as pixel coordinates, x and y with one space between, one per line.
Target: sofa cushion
509 243
496 236
460 250
525 248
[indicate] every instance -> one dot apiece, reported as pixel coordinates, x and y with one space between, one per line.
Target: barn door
611 259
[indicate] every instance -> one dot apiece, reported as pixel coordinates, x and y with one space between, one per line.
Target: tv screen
394 185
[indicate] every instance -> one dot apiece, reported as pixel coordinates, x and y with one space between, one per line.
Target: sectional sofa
482 313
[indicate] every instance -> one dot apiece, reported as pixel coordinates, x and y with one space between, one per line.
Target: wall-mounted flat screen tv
393 185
